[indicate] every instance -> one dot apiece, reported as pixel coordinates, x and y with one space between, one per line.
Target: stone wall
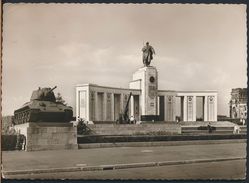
134 129
48 137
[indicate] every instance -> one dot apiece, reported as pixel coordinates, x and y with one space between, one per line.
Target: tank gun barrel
52 89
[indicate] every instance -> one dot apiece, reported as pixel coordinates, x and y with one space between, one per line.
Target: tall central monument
146 80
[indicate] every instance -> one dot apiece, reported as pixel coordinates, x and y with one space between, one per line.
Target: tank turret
43 108
45 94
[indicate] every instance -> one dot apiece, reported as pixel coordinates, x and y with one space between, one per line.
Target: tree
60 99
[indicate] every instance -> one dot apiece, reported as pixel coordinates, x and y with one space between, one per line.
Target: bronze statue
148 52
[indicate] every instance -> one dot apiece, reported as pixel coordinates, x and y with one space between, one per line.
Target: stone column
132 105
174 108
83 105
194 108
205 109
77 104
215 107
104 106
112 107
158 105
96 106
211 108
92 110
165 107
169 109
189 108
185 112
121 103
88 104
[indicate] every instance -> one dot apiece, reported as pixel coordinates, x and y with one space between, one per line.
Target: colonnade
167 106
188 105
97 103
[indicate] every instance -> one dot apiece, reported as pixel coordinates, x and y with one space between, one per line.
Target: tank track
24 115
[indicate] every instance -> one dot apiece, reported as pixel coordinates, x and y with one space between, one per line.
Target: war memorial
141 109
141 116
85 96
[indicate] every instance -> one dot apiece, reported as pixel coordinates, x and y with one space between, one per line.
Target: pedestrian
177 120
236 129
243 121
23 142
209 128
132 120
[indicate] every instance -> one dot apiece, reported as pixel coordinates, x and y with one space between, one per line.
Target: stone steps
216 131
133 129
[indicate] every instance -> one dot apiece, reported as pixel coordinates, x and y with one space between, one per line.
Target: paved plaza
14 161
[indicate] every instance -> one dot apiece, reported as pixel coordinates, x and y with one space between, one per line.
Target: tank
43 107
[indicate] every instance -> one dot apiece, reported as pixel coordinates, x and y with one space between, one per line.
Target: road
213 170
108 156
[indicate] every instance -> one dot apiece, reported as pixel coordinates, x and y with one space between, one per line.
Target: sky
198 47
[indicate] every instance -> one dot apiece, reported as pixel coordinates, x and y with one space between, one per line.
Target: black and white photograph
124 91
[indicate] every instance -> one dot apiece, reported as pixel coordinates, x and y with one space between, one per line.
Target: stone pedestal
48 136
146 79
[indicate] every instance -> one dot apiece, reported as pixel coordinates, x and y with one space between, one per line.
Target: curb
118 166
162 143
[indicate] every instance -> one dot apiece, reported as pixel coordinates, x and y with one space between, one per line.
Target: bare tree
60 99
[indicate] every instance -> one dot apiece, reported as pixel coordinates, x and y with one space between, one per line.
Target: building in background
238 103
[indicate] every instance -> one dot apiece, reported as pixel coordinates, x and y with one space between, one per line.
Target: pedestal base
40 136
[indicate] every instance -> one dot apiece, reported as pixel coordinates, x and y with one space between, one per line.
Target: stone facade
99 103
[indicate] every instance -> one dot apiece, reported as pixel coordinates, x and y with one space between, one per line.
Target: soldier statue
148 52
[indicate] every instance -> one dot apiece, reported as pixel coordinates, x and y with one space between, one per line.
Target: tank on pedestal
43 107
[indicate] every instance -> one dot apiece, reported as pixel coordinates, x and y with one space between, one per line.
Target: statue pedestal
146 80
